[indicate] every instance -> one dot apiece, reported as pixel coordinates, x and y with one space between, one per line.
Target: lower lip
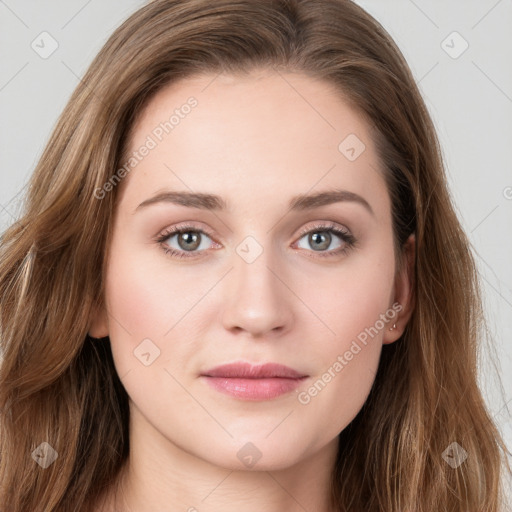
253 389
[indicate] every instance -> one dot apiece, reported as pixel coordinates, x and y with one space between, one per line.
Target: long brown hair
58 385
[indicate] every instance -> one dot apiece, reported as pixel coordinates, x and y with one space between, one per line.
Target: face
270 271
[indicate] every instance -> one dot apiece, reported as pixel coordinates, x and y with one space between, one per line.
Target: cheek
140 310
144 293
363 315
336 395
362 298
350 298
353 303
135 301
150 299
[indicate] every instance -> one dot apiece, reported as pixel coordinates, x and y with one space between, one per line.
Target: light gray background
469 98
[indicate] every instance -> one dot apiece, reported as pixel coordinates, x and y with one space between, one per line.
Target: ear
403 293
98 325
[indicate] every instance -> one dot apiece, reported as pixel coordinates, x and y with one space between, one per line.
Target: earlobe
403 293
98 326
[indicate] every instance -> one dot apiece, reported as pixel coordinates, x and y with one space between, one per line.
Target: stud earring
394 327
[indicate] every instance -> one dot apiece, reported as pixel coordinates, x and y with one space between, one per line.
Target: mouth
253 382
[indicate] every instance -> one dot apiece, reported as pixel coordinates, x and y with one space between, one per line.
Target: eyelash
349 240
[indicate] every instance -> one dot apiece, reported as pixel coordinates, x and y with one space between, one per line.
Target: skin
256 141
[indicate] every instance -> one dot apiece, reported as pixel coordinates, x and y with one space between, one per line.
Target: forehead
269 132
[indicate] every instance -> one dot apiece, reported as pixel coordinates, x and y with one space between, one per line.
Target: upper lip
251 371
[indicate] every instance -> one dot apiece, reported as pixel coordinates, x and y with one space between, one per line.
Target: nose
258 301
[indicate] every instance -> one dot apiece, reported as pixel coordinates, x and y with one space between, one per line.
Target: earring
394 327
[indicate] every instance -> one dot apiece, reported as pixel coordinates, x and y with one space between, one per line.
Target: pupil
318 236
190 237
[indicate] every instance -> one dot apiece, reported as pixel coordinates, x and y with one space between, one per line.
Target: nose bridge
252 263
256 300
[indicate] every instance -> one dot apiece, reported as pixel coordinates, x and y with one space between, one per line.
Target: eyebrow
217 203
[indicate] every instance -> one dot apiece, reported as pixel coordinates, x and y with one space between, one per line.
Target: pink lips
250 382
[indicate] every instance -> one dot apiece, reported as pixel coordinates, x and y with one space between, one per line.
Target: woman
313 348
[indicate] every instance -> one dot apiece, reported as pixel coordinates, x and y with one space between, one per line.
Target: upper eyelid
182 228
176 229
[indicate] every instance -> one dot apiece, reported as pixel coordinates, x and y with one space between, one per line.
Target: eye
320 238
188 241
188 238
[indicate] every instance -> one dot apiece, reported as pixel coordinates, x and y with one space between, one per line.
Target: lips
253 382
247 371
